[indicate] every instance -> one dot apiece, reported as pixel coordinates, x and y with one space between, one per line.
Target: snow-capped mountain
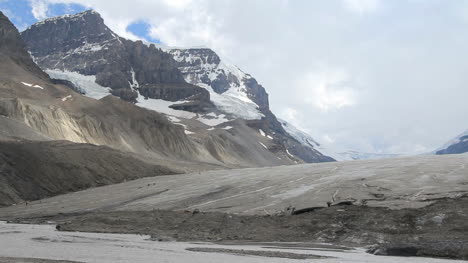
306 139
193 87
457 145
231 90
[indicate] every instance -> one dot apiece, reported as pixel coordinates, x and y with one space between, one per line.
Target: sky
380 76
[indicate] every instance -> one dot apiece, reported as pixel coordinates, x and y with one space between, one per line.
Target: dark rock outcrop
13 48
83 43
461 146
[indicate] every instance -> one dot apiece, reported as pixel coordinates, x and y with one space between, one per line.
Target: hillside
194 88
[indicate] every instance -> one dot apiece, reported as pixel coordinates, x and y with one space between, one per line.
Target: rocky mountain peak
82 46
12 47
202 66
85 30
9 37
196 56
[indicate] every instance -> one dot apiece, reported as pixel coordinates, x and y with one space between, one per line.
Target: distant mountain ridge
455 146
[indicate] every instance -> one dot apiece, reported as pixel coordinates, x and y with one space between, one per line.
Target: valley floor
404 206
43 244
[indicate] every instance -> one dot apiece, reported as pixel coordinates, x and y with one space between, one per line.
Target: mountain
239 95
85 108
234 92
193 88
457 145
83 44
36 115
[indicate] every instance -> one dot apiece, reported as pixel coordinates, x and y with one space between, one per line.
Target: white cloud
363 6
327 139
39 9
197 27
177 3
292 116
328 90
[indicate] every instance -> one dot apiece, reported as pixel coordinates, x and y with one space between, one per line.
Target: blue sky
20 13
141 29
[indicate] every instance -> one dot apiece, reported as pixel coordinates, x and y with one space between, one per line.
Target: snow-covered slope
457 145
228 85
85 84
307 140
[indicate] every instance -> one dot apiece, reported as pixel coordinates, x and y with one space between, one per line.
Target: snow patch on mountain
163 106
134 84
66 98
32 85
261 132
211 119
264 146
202 71
87 84
301 136
307 140
234 104
73 17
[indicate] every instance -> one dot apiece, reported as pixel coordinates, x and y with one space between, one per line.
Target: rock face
12 47
203 66
82 43
455 146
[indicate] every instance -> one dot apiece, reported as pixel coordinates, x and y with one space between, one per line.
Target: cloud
328 90
327 139
39 9
362 6
177 3
293 116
